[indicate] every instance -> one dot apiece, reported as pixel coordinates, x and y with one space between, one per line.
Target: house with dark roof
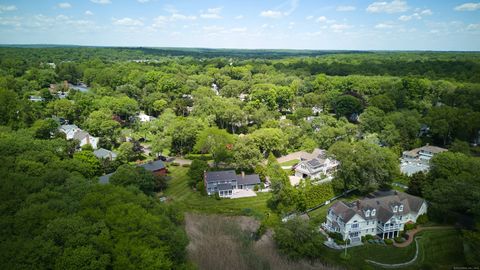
316 165
103 153
225 183
157 167
382 213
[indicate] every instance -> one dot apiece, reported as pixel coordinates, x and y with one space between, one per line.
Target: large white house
418 159
74 132
383 214
316 165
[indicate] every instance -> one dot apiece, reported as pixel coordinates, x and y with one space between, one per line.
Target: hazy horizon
289 24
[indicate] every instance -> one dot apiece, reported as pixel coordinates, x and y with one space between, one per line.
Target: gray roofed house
105 154
316 165
216 176
154 166
382 213
225 183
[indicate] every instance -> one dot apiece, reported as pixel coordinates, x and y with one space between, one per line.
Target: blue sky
287 24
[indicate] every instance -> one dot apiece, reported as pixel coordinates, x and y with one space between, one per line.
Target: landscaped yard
290 162
439 249
182 195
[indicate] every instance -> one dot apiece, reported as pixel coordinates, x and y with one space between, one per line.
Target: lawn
183 196
290 162
439 249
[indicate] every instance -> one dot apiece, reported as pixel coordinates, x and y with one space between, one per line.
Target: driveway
292 156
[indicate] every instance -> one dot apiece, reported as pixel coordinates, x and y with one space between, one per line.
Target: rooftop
220 176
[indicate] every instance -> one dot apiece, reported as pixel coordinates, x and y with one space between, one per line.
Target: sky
266 24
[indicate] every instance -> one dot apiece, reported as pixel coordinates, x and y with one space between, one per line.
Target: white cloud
338 28
127 22
346 8
64 5
4 8
161 21
323 19
238 30
212 13
468 7
101 2
473 27
11 21
384 26
426 12
143 1
416 15
88 13
271 14
239 17
394 6
309 17
181 17
281 10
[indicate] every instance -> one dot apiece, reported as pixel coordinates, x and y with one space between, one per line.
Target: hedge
317 194
205 157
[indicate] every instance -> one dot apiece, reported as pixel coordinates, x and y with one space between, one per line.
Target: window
367 214
400 208
367 223
395 209
373 212
355 225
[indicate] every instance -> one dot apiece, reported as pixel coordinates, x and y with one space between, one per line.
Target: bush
217 196
364 239
388 241
186 165
422 219
255 188
201 187
399 239
410 226
199 156
175 164
369 237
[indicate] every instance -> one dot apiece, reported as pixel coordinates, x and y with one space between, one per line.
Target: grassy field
181 194
439 249
290 162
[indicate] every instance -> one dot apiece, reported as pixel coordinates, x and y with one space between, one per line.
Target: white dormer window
367 214
395 209
373 212
400 209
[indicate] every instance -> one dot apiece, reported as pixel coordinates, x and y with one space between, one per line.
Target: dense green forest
235 107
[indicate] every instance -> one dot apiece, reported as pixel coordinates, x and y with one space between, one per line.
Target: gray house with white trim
225 182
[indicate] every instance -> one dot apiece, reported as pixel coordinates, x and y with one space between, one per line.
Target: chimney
243 174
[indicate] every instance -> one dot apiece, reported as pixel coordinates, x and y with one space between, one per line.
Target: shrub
399 239
388 241
369 237
201 187
175 164
217 196
255 188
364 239
186 165
199 156
410 226
422 219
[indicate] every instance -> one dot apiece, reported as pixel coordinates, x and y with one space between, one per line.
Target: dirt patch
223 242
